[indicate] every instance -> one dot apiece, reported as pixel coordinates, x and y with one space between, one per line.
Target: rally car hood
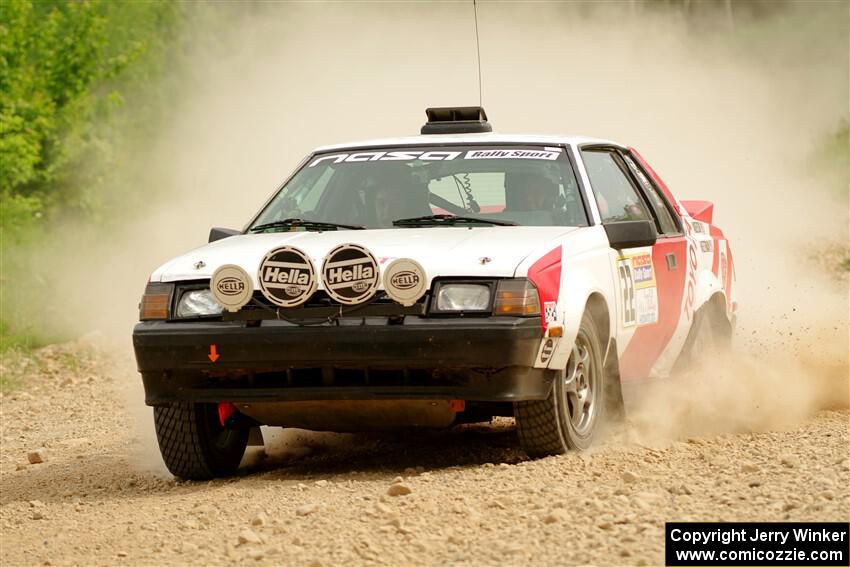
442 251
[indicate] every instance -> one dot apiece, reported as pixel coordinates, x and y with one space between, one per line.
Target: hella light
463 297
198 303
516 297
155 302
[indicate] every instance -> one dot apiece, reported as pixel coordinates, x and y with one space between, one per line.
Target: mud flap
255 437
615 408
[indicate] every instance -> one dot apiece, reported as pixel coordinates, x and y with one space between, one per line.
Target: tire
194 444
570 418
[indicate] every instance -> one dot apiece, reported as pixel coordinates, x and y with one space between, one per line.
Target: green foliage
66 69
16 341
50 56
79 81
16 215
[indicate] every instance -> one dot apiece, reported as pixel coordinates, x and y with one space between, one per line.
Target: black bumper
476 359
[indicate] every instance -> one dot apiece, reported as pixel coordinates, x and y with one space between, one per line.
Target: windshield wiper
308 224
448 220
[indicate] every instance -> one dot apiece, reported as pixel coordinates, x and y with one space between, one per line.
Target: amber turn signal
516 297
156 302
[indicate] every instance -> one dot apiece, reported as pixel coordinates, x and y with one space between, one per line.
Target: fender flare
709 288
577 292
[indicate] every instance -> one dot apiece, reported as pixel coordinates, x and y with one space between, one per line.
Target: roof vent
456 120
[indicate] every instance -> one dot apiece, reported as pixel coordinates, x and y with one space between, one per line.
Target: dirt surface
466 496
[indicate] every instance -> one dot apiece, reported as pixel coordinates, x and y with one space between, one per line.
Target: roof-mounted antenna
478 51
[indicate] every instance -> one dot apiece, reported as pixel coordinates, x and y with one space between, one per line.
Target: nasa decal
287 277
350 274
232 287
405 281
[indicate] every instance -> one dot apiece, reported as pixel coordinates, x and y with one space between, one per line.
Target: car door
650 281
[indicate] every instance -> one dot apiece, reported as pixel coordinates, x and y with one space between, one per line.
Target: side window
617 198
665 218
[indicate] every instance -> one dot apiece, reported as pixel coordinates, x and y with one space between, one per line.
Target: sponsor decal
350 274
639 290
546 349
232 287
550 311
705 245
642 269
646 305
627 288
287 277
500 153
546 153
641 260
405 281
691 278
438 155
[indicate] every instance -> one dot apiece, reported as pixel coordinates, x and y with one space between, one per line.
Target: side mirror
217 233
630 234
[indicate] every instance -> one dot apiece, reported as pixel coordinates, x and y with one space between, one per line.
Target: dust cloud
731 121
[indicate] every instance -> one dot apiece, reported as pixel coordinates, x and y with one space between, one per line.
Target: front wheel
570 418
194 444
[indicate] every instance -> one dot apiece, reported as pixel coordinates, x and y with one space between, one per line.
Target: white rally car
433 280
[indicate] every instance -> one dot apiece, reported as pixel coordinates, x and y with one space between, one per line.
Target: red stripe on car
546 275
648 342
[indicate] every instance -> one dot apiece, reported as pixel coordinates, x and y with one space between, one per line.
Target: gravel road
465 496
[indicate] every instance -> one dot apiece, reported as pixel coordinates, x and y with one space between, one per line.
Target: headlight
463 297
516 297
198 303
155 302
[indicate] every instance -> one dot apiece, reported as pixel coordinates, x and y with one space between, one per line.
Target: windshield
523 185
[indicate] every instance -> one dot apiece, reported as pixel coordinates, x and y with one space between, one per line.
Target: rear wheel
570 417
194 444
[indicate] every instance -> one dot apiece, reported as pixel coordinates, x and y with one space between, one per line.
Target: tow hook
226 413
230 417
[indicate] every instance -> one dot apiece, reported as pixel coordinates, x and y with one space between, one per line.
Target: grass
71 361
12 346
24 342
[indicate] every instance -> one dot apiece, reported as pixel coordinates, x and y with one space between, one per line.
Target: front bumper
476 359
